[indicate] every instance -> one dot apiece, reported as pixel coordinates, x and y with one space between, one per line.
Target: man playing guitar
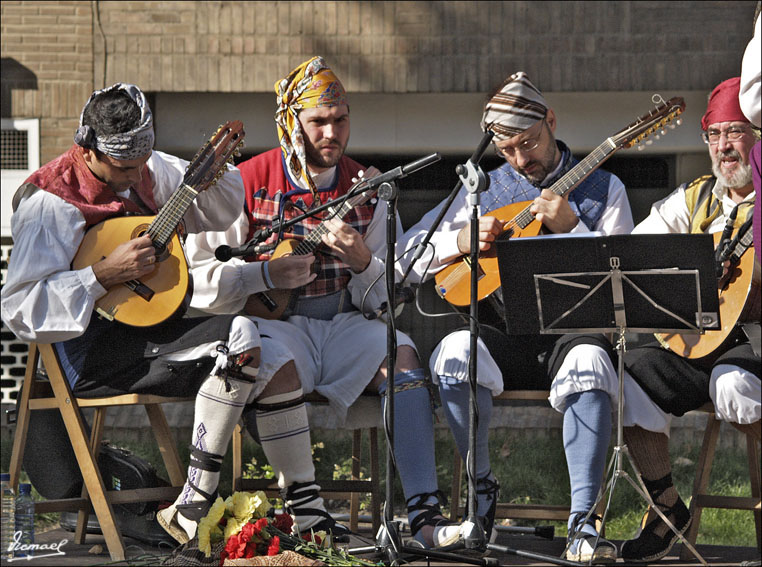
730 375
113 170
331 347
570 366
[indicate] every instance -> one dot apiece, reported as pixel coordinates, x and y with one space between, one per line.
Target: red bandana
723 104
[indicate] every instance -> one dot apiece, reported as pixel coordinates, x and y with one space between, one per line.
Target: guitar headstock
208 165
664 114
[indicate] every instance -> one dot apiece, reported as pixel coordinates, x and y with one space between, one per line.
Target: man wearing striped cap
523 126
331 347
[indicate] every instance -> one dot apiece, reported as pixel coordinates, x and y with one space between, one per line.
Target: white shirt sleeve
215 208
222 287
43 299
750 94
373 275
669 215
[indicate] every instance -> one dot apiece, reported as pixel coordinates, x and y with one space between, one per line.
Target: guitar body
155 297
454 282
739 302
273 303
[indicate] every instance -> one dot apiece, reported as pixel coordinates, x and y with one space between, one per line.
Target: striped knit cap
517 105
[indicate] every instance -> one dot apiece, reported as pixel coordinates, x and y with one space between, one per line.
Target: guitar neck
315 237
573 177
164 224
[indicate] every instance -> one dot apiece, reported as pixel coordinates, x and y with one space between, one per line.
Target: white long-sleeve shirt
43 299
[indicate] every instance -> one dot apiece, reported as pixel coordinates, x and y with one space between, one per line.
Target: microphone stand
473 535
388 541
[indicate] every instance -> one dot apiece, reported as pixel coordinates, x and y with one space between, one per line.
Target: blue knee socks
455 402
586 433
413 435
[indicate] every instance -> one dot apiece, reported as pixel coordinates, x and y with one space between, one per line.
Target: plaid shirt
270 193
588 200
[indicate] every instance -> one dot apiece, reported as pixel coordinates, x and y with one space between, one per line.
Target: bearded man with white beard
730 376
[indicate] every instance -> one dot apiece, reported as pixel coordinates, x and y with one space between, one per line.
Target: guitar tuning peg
640 148
663 132
679 121
649 142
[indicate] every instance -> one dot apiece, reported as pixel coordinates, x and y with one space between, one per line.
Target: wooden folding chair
701 499
37 394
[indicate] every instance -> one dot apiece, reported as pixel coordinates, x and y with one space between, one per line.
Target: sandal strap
198 509
657 487
205 461
429 512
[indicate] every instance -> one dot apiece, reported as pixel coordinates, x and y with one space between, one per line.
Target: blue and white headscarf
127 145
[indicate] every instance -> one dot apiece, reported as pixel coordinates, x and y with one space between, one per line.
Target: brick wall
453 46
47 53
55 52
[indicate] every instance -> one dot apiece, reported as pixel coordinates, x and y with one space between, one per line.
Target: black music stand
611 284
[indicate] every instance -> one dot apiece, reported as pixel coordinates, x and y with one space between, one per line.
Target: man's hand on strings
348 244
291 271
554 212
489 229
129 261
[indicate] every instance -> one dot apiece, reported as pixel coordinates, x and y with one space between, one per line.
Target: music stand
611 284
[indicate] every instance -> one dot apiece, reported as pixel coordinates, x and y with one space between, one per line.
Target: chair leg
700 483
22 419
78 436
167 445
354 497
755 477
99 418
457 479
375 472
237 445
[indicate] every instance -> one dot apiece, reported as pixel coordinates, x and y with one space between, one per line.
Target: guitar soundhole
162 251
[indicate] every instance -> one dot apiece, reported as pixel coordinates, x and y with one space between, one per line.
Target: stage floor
94 552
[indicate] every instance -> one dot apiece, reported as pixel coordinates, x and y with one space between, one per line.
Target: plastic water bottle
25 519
8 525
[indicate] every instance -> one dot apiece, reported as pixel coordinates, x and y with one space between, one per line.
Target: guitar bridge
140 289
479 271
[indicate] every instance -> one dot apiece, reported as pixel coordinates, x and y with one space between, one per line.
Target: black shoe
299 499
445 534
647 546
585 547
490 487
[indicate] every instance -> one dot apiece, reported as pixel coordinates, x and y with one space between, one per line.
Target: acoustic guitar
454 282
154 298
739 293
272 304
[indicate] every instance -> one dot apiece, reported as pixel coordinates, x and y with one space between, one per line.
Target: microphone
224 253
403 171
402 295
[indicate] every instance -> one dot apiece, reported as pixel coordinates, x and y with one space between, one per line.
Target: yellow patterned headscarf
312 84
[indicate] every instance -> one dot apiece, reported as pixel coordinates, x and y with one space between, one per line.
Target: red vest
268 188
69 178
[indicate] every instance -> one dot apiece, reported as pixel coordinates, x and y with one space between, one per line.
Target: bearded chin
741 177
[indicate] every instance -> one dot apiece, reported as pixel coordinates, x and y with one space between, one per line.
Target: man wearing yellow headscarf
330 347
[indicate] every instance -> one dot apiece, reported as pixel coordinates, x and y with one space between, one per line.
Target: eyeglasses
525 146
733 134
